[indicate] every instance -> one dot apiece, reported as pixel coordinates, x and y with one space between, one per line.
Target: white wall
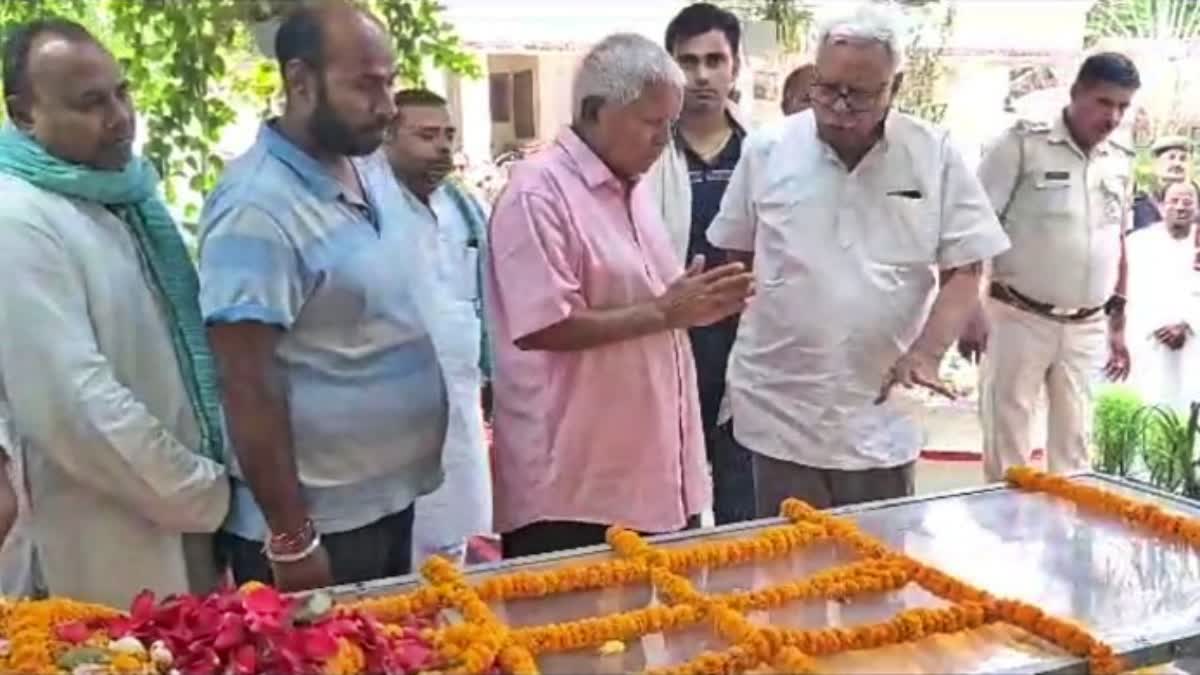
495 21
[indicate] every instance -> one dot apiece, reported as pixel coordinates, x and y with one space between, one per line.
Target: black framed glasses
856 100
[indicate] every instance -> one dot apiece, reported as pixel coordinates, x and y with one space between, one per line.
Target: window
524 125
500 97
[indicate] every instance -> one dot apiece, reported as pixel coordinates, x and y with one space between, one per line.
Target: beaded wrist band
275 557
286 546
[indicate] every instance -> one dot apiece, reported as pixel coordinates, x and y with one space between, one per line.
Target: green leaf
80 656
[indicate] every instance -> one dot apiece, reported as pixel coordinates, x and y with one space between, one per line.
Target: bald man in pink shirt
597 420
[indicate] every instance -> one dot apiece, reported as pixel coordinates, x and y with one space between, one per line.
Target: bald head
338 67
25 39
66 90
796 88
319 31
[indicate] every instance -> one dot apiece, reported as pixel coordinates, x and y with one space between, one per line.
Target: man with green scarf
104 365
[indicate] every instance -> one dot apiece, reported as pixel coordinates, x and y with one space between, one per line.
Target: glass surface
1129 588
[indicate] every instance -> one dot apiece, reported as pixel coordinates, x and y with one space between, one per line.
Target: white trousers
462 506
1026 354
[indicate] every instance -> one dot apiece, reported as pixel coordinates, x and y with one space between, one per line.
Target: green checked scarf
132 194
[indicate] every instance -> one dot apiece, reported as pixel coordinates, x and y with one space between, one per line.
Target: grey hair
879 22
619 68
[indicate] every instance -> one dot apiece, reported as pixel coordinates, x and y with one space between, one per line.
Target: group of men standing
300 391
676 306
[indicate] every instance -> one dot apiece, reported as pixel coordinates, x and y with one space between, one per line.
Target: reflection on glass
1122 584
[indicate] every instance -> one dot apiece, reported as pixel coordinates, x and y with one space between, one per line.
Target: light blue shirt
285 244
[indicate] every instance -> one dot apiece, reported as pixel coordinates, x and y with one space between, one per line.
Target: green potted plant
1116 430
1167 441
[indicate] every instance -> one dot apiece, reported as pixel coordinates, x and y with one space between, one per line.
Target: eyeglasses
856 100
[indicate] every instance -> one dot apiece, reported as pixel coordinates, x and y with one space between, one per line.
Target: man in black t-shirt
690 179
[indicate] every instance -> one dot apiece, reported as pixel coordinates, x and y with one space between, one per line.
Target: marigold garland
1142 515
481 643
29 626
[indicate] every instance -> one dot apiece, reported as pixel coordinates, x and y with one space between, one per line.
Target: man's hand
1174 336
1117 368
914 369
700 298
973 342
304 575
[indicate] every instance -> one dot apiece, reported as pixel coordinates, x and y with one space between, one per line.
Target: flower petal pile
248 631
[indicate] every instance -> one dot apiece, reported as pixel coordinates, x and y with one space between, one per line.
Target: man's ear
297 78
896 82
589 109
18 108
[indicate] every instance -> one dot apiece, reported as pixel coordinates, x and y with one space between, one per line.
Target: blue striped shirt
285 244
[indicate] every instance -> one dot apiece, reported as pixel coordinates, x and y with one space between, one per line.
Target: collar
1061 133
316 177
880 146
414 202
735 126
589 165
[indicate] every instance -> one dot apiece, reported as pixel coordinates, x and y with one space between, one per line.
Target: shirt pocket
907 234
1052 196
464 282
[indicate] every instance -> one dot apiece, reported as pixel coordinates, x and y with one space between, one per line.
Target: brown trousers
775 480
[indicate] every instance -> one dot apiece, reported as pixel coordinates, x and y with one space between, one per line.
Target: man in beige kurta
102 412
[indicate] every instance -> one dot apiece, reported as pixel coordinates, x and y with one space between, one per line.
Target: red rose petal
318 644
74 632
245 660
142 609
118 628
232 633
265 600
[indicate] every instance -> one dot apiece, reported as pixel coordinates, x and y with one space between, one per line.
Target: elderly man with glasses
848 212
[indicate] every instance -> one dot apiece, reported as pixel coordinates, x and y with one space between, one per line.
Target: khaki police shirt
1063 210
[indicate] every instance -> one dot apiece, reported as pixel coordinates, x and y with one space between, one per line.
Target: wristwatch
1115 305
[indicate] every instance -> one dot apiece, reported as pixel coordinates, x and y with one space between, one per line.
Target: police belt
1013 298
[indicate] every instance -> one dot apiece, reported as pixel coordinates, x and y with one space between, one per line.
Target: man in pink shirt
596 416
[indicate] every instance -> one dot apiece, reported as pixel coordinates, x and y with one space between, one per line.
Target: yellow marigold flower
349 659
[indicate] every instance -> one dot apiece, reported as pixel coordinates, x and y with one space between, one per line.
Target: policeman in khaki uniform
1055 305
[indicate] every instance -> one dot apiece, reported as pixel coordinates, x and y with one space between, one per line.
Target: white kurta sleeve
735 224
66 401
970 231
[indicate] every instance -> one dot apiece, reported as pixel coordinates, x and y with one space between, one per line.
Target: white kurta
19 576
462 506
845 266
98 407
1162 292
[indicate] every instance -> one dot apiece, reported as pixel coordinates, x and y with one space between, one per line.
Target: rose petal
232 633
265 600
245 660
318 644
118 627
73 632
142 609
